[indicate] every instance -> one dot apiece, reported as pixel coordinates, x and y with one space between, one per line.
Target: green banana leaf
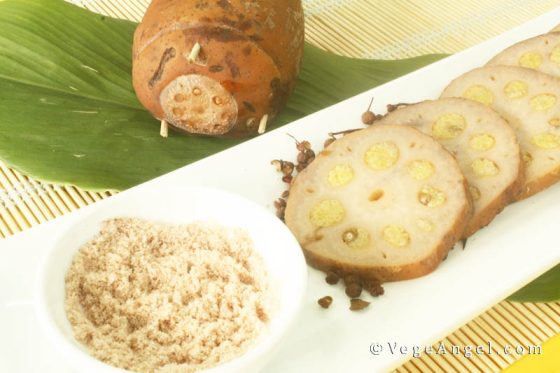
544 289
68 114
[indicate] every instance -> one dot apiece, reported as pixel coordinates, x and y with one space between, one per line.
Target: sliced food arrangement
499 123
483 143
386 203
529 101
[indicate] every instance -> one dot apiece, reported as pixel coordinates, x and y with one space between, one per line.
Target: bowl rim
264 345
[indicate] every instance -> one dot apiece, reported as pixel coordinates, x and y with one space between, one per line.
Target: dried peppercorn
369 117
287 168
351 279
332 278
374 288
287 179
357 304
302 146
310 155
353 290
280 205
325 302
305 156
277 163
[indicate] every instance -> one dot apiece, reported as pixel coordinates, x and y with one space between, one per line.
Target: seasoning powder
151 297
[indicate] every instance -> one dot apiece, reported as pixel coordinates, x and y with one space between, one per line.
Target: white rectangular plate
517 247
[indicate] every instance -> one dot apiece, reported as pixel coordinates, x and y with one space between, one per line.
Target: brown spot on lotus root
376 195
232 65
224 4
221 34
249 106
527 159
167 55
227 21
475 192
216 68
244 26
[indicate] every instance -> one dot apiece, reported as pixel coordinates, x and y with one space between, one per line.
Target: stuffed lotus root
217 67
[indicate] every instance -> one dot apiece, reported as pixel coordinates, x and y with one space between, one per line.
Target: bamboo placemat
382 29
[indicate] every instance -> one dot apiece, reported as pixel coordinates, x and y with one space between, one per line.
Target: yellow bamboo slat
507 324
384 29
479 333
420 364
484 364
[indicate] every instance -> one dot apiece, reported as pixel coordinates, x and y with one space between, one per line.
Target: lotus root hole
179 97
178 111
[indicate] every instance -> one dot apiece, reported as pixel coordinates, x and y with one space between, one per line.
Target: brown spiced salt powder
151 297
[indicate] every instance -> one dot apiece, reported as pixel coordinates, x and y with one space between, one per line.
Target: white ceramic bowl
178 205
